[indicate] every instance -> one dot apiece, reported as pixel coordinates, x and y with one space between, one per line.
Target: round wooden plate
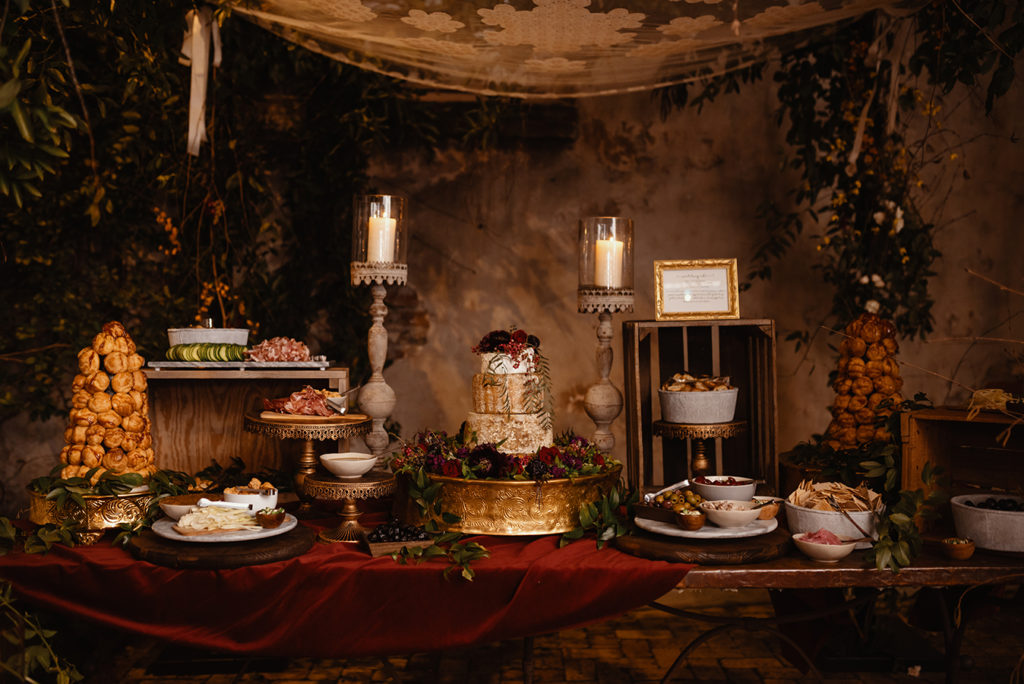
148 546
707 552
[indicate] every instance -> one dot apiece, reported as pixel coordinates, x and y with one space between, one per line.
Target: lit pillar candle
608 263
380 247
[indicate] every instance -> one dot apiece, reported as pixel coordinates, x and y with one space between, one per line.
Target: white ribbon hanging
195 50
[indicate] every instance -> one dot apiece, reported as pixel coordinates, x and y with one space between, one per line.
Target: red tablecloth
337 601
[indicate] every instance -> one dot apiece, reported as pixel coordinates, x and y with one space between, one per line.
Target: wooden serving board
707 552
292 419
150 547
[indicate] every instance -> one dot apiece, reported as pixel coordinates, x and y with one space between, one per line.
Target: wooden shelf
198 414
743 349
969 451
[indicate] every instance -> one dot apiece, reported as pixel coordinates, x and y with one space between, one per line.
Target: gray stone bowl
990 529
698 408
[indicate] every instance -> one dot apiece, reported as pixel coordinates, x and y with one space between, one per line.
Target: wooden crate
968 450
198 415
742 349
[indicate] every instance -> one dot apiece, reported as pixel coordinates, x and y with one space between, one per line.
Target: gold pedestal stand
309 431
699 464
102 512
326 488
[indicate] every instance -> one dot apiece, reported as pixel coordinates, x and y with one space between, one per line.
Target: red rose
451 469
598 459
519 336
547 455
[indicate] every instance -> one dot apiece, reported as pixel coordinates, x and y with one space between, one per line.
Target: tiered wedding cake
511 395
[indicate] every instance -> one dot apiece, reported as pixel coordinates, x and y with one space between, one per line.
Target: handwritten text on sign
695 290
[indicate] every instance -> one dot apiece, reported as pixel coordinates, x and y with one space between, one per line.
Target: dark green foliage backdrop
104 216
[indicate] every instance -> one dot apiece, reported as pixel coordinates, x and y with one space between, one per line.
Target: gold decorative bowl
513 507
101 512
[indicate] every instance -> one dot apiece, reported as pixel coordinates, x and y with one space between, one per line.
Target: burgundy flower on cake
514 343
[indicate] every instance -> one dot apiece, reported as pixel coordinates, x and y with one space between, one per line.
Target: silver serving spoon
204 502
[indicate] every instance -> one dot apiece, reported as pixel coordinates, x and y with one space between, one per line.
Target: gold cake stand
327 488
700 433
309 430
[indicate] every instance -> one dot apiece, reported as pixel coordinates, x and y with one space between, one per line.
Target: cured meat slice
305 402
279 349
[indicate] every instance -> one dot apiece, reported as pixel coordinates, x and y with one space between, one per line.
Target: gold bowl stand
101 512
325 488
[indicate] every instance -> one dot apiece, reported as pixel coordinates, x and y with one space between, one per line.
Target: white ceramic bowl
348 465
214 335
176 506
990 529
737 518
698 407
714 492
769 510
259 498
800 519
823 553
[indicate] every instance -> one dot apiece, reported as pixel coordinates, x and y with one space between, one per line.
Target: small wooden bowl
958 548
691 522
270 518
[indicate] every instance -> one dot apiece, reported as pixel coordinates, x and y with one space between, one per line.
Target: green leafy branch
30 647
40 540
899 539
608 517
460 555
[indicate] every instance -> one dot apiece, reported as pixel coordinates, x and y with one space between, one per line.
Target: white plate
709 531
165 528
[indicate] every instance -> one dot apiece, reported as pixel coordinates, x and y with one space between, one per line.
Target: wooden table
796 572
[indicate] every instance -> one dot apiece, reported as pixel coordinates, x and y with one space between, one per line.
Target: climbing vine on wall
106 217
863 112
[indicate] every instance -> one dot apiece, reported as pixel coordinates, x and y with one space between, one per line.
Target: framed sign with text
696 289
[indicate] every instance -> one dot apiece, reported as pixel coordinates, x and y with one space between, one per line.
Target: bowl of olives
994 521
677 506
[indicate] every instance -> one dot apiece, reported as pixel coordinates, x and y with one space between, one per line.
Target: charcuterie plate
754 529
242 365
289 418
165 528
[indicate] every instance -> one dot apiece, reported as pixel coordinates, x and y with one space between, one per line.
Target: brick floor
635 647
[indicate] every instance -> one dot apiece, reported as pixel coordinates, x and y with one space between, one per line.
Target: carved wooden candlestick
379 243
376 398
605 287
603 401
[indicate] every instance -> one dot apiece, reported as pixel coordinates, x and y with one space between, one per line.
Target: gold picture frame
696 289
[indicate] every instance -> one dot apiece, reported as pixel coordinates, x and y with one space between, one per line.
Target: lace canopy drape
548 48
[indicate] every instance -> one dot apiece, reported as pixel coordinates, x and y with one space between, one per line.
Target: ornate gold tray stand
309 432
323 487
101 512
699 463
514 507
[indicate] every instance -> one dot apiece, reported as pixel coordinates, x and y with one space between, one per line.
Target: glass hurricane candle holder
379 239
606 253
